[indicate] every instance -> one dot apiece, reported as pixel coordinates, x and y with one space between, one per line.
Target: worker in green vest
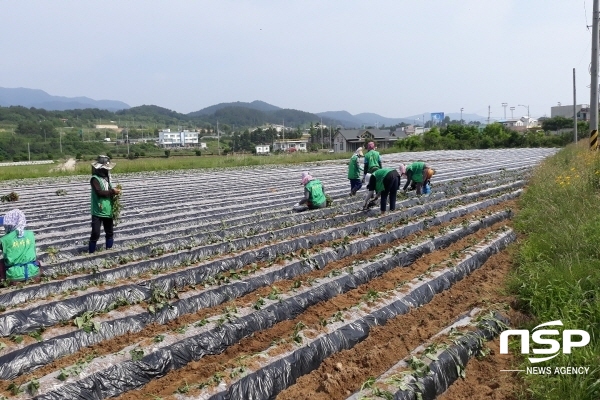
102 192
314 194
18 262
372 160
417 174
354 170
384 182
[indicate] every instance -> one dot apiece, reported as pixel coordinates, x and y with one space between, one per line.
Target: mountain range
39 99
249 113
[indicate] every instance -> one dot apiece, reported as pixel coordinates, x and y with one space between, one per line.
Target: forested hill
158 117
255 105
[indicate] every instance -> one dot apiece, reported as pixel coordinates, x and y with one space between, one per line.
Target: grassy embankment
558 266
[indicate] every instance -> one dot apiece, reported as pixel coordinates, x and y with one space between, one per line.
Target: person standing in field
314 194
19 259
385 183
102 193
372 160
354 170
416 175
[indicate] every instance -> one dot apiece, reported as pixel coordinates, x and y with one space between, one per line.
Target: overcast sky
395 58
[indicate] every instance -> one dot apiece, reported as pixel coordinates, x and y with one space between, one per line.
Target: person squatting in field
372 160
19 256
314 194
385 183
102 193
417 174
354 170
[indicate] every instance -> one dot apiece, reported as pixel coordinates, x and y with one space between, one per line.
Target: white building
166 138
262 149
521 124
203 145
289 144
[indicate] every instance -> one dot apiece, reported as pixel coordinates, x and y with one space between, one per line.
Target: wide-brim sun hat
103 162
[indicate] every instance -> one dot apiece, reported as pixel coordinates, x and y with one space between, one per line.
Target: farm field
215 290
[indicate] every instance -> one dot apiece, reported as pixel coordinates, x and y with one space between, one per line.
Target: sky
395 58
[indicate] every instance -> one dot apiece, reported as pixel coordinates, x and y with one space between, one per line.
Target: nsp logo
537 336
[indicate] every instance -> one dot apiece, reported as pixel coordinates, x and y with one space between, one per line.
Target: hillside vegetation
29 133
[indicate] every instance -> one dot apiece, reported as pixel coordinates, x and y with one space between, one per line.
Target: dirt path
68 165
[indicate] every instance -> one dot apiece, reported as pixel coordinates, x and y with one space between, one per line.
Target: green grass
558 273
171 163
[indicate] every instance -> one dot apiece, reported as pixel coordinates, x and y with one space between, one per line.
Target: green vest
379 175
316 197
19 253
101 206
354 168
417 171
372 160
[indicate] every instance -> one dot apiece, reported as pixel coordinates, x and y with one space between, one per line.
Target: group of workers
19 257
382 183
19 260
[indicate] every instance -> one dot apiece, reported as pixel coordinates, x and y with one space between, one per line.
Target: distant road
11 164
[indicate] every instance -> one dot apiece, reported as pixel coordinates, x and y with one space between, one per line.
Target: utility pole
28 151
504 105
321 133
489 112
218 139
461 110
594 83
574 109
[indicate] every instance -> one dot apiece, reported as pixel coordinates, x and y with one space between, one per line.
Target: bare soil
385 345
484 381
382 349
388 344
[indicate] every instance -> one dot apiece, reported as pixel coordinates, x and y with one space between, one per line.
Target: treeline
152 117
458 137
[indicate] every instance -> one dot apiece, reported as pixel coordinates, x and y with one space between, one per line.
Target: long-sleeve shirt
99 191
